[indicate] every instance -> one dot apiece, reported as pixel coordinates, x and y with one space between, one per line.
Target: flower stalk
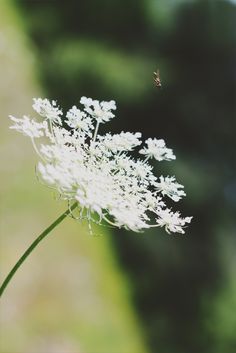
33 246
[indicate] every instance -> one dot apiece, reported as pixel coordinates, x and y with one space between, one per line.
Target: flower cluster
97 171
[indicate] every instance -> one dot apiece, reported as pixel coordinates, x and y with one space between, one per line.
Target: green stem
96 131
33 245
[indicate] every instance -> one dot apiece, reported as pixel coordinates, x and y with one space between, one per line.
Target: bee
157 79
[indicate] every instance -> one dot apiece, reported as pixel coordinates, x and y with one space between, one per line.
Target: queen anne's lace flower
76 119
47 110
98 172
157 149
101 111
125 141
168 186
28 126
171 220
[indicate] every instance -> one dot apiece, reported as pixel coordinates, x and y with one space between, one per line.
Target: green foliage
84 66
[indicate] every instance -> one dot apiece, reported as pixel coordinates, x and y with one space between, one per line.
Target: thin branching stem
96 131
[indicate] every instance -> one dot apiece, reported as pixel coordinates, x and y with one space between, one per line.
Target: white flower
168 186
101 111
98 172
125 141
47 110
157 149
128 219
28 126
143 172
77 119
153 202
171 221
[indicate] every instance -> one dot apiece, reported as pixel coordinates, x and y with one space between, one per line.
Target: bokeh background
123 292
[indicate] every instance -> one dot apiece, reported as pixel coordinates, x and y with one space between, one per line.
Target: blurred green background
123 292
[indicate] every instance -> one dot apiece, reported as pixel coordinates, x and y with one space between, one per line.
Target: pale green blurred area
70 296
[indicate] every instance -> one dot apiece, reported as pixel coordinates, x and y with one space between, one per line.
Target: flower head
125 141
157 149
47 109
168 186
78 120
100 111
97 171
28 126
172 221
